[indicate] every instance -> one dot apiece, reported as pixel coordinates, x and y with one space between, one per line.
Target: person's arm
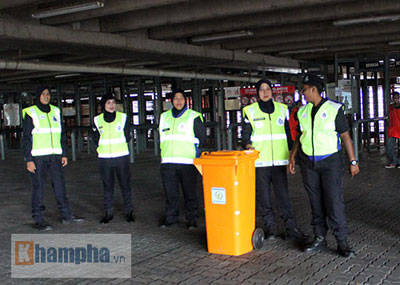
247 130
348 145
27 143
200 131
27 138
293 152
127 131
64 146
288 134
295 149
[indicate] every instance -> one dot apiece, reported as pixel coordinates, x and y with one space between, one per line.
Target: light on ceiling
395 43
367 20
67 75
222 36
302 51
68 9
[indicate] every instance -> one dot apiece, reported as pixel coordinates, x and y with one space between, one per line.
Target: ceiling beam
98 69
112 7
200 11
12 30
328 43
348 9
329 33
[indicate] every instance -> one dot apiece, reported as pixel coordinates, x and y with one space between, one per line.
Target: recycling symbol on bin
218 195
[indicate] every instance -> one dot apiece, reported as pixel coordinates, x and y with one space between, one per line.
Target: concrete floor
179 256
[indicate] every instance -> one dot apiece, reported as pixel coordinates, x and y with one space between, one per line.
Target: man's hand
64 161
292 165
30 165
354 170
249 147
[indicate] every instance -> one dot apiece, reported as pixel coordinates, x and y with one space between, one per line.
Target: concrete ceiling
163 35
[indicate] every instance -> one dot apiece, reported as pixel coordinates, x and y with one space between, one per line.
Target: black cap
175 91
261 81
108 96
313 80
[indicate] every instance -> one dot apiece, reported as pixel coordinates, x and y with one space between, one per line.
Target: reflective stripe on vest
46 134
323 139
112 142
269 135
177 141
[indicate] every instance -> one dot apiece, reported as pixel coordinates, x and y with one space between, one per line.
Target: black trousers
49 164
275 175
121 166
173 174
323 181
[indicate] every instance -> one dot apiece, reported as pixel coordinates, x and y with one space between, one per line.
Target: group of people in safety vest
322 128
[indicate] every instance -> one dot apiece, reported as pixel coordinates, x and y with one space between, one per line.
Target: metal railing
231 127
216 126
355 129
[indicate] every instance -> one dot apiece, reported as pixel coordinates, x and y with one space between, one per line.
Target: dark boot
129 217
344 249
107 218
43 226
294 234
318 244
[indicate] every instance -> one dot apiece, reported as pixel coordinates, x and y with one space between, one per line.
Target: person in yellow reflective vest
44 146
182 132
322 127
112 132
265 128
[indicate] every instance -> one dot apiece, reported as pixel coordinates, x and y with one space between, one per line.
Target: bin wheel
258 238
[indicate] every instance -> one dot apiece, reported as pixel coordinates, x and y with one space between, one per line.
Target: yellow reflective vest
46 134
269 135
320 138
112 142
177 140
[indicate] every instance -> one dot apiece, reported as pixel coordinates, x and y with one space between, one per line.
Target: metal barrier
2 147
231 127
140 143
77 131
216 126
355 131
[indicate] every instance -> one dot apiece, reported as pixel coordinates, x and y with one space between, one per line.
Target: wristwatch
353 162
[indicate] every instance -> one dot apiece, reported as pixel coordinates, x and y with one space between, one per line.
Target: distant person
44 146
182 132
323 126
266 129
393 132
293 122
113 134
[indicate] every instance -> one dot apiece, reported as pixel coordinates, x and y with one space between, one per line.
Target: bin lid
226 156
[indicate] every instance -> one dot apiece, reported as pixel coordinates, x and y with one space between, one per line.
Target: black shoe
269 234
129 217
43 226
107 218
294 234
344 249
191 225
318 244
72 220
167 224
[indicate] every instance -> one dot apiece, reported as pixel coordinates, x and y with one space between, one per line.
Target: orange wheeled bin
229 200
